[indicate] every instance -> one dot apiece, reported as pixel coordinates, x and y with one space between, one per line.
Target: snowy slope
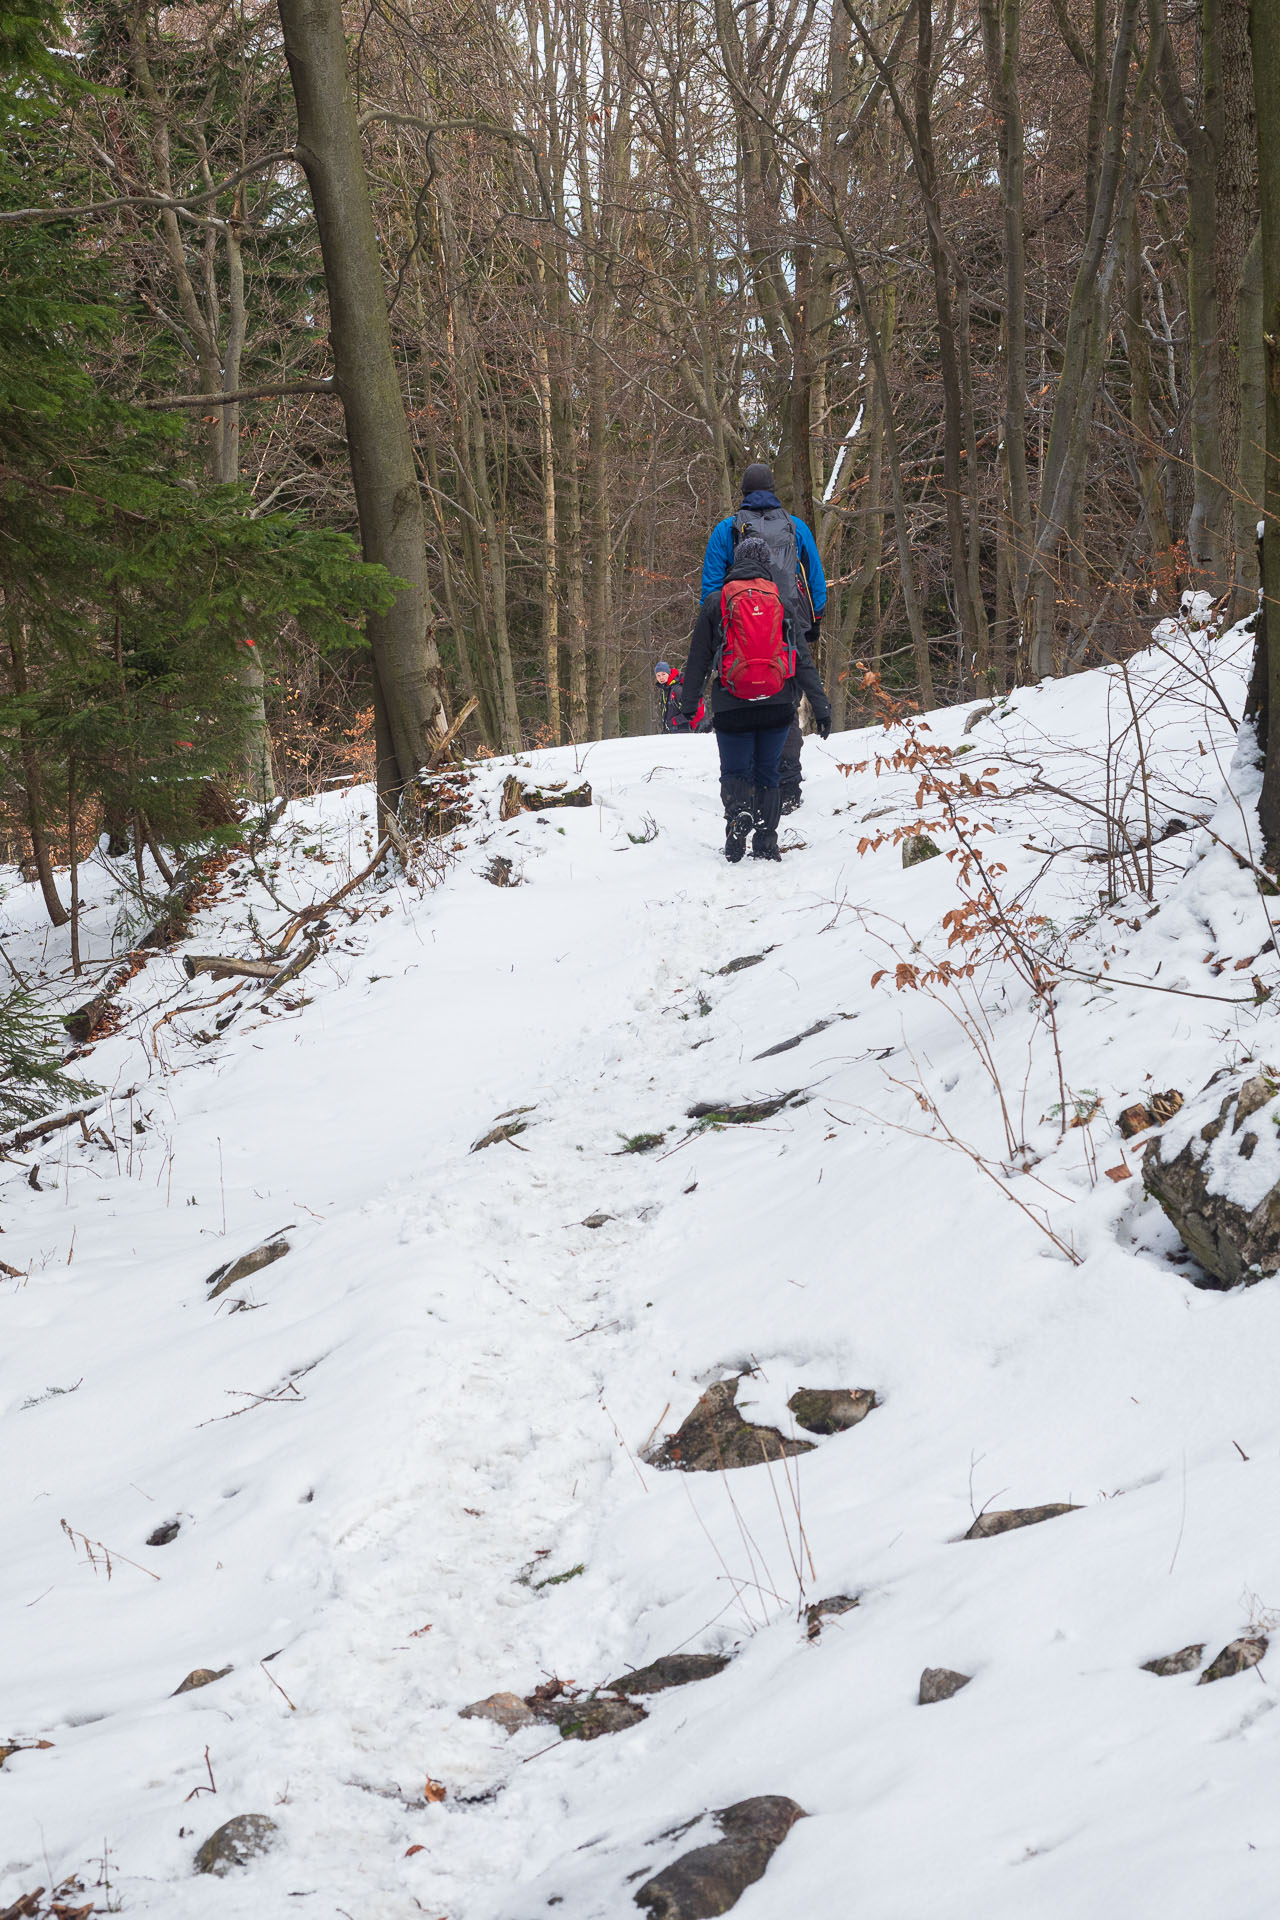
439 1398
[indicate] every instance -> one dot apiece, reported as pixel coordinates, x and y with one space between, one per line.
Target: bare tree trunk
1083 350
1264 31
383 473
73 874
1236 228
1159 533
958 431
1001 29
1251 462
550 560
32 778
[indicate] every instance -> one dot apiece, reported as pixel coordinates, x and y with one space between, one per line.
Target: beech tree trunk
383 473
1264 31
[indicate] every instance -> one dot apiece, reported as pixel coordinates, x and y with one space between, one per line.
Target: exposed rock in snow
200 1677
715 1435
831 1409
589 1719
1237 1657
1218 1180
712 1879
917 848
939 1683
1139 1117
252 1262
506 1710
1005 1521
1185 1660
672 1670
835 1604
236 1843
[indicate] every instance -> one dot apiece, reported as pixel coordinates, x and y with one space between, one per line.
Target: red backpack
755 660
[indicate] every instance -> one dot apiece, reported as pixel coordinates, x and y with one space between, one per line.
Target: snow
436 1403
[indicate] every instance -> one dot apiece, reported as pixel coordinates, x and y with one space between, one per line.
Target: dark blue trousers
754 757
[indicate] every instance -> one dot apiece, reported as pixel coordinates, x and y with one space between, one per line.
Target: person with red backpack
759 665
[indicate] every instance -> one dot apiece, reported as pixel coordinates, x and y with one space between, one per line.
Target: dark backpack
755 660
776 528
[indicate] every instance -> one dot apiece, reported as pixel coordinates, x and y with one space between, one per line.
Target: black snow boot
739 816
764 844
792 798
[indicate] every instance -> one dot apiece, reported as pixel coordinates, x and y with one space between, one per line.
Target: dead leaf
1119 1173
434 1791
419 1631
419 1848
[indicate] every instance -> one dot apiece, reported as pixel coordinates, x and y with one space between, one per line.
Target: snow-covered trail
433 1407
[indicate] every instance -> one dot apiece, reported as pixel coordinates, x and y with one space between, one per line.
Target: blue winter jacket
719 555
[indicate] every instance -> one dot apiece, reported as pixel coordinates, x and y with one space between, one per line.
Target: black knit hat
753 552
758 478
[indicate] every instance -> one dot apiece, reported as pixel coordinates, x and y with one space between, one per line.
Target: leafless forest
983 278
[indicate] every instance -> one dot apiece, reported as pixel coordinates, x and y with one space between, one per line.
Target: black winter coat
729 714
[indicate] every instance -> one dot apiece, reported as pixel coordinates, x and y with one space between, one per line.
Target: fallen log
39 1129
221 967
517 798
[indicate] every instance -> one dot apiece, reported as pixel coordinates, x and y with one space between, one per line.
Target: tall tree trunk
383 473
550 558
1159 533
1237 226
1251 461
32 778
958 432
1001 30
1264 30
1083 350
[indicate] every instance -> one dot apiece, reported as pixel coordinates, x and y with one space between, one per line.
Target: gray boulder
712 1879
1004 1521
1223 1144
672 1670
939 1683
715 1435
919 847
237 1843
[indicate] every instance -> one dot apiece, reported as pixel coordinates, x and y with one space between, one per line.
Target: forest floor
404 1461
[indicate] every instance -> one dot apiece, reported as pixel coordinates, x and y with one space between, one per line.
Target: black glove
822 725
681 723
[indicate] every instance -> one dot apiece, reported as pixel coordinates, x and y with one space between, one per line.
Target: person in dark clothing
669 681
750 734
789 777
797 570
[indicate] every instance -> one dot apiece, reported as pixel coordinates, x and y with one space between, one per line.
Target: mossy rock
919 848
715 1436
831 1409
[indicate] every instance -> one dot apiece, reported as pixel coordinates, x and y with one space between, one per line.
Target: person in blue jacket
763 514
797 572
